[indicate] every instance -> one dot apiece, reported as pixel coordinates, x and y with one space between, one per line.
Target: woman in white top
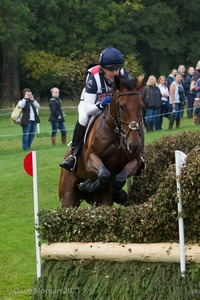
176 96
162 84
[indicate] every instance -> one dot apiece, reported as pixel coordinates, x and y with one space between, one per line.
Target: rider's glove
104 103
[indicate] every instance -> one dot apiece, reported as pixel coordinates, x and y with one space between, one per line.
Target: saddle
91 122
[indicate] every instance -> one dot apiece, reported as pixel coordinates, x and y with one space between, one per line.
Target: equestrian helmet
111 57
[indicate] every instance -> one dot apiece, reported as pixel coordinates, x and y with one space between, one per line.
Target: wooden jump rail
157 252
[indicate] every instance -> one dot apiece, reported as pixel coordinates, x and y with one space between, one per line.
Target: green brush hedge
151 217
149 222
98 280
159 156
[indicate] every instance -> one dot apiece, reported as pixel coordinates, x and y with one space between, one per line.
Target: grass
17 255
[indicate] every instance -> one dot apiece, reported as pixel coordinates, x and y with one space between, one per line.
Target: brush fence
157 252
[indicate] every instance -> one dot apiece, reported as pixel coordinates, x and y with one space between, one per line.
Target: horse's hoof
120 197
104 176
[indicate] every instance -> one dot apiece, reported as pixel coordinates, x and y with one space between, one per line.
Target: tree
167 34
13 33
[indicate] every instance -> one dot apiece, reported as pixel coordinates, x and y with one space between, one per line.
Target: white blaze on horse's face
129 117
110 74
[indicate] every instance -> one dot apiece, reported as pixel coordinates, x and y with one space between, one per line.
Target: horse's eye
122 107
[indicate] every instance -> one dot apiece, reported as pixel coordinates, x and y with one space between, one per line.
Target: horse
111 152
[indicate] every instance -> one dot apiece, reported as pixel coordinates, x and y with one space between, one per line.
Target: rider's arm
90 107
90 96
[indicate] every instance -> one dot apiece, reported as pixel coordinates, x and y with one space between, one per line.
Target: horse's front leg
68 193
95 165
128 171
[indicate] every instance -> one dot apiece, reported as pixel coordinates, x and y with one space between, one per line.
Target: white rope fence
2 114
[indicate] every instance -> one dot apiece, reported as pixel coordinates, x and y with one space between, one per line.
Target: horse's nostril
132 148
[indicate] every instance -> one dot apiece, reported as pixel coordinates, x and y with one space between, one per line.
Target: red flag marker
28 164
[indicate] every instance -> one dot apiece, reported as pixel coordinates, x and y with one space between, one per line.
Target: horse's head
125 110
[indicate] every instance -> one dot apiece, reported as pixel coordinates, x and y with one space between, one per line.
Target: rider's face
110 74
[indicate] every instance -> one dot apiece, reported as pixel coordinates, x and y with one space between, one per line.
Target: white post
38 124
35 189
180 159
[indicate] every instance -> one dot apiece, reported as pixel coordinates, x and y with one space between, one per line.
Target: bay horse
111 152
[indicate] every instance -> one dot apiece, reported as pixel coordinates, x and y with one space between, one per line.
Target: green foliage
160 35
159 155
48 69
152 221
167 32
12 29
112 280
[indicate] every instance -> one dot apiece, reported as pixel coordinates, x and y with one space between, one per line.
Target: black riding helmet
111 58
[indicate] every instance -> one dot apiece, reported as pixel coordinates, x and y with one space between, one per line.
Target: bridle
133 125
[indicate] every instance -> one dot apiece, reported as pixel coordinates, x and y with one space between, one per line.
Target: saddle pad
90 123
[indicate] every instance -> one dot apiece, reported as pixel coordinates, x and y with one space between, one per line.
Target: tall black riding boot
171 122
148 127
70 162
151 126
142 163
178 122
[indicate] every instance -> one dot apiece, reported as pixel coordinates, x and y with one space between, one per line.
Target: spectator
151 97
190 95
196 75
29 118
57 117
162 84
170 77
181 70
197 104
176 92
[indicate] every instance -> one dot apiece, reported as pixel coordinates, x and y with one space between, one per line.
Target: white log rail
156 252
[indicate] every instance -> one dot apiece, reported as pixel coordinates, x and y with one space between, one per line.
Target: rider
95 96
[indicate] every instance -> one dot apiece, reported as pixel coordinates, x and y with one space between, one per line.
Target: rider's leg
79 131
70 162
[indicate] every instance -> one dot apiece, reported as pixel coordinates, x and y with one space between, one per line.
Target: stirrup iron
75 158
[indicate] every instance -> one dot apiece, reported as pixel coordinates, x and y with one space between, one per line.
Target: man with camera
29 118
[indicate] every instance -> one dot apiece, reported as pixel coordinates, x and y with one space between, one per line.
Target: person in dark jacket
196 75
29 118
151 97
57 117
189 94
170 77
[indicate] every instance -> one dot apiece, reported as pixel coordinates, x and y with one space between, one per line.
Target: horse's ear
141 81
117 82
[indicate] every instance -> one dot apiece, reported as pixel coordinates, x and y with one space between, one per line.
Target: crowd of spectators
168 97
